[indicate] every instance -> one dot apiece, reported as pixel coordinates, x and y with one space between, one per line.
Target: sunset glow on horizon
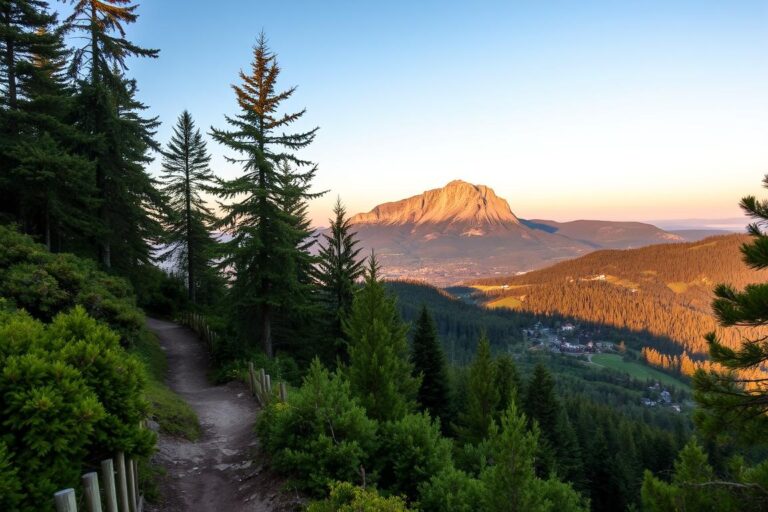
638 111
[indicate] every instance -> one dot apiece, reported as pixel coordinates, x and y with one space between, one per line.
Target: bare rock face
458 202
464 231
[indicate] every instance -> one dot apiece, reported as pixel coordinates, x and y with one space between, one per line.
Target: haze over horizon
608 112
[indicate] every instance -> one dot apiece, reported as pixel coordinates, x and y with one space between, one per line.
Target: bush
345 497
321 435
412 450
68 393
451 489
45 284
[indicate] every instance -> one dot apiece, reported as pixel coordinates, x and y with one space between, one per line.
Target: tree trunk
266 329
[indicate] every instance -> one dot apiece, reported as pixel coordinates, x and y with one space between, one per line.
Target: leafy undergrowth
173 414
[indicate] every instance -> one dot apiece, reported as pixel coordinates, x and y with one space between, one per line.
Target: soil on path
220 471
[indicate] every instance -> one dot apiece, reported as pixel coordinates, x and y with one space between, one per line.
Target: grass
636 370
173 414
506 302
678 287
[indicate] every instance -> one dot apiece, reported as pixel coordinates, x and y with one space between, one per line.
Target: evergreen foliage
559 449
68 394
511 481
339 269
45 284
345 497
46 186
734 399
379 371
412 449
321 435
263 255
482 396
429 362
187 173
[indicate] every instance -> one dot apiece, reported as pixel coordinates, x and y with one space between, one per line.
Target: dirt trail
217 472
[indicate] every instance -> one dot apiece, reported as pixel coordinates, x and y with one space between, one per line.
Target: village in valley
573 339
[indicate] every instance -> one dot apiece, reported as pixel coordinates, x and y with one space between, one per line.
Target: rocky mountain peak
457 202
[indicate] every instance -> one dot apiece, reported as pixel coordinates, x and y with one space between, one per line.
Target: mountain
662 290
464 231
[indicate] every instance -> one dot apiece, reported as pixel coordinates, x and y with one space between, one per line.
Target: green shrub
345 497
68 394
411 451
10 486
321 435
451 489
45 284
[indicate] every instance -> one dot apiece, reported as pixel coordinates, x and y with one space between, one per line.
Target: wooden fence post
283 392
92 494
65 501
250 378
131 485
135 471
269 384
122 481
108 476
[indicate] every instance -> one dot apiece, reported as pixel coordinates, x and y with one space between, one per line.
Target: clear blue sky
613 110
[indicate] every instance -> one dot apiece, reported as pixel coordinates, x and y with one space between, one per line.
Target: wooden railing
259 383
119 496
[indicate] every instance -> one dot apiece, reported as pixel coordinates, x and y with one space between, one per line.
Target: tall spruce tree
296 321
482 396
186 174
734 400
46 186
339 268
262 254
559 448
379 371
109 110
507 382
429 362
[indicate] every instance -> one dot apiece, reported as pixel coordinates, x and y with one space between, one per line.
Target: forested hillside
662 290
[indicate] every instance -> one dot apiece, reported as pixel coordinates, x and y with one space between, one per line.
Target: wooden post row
110 492
92 494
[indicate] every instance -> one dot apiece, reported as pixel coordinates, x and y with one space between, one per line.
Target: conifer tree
482 395
735 400
379 371
263 253
339 268
559 449
129 201
429 362
510 478
46 186
187 173
507 382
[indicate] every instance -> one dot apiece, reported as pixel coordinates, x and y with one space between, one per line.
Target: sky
631 110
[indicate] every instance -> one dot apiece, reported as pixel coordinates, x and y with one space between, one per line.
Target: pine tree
187 173
379 371
510 478
262 254
482 396
339 268
559 446
507 382
429 362
45 186
109 110
735 400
